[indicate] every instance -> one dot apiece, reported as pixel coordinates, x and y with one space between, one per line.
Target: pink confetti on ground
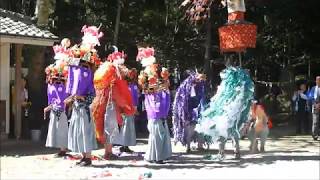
140 177
74 158
106 174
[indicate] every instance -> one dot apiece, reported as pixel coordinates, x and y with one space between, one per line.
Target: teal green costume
229 108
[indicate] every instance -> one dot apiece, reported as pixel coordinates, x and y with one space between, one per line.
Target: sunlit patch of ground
288 157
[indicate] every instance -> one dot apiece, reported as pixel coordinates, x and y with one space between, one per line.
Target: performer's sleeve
122 97
294 97
310 94
303 96
48 95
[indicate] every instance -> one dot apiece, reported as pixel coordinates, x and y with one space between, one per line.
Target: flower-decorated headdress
151 79
146 56
117 57
86 51
57 70
91 35
132 75
62 51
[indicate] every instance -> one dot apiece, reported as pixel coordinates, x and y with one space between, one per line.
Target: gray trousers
191 135
315 124
235 142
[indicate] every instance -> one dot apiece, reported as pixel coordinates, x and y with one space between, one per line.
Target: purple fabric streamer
186 106
157 105
80 81
133 87
56 95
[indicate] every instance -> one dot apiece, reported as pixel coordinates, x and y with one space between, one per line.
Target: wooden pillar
5 86
18 89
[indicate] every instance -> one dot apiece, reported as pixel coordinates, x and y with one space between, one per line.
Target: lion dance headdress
59 70
151 79
86 50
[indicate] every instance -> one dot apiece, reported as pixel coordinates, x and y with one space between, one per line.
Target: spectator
301 109
314 97
25 106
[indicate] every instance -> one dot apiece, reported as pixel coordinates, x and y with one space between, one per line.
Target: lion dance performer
229 108
154 83
84 58
56 75
112 99
187 105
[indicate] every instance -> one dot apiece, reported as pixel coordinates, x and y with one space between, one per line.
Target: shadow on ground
182 162
285 149
25 148
282 148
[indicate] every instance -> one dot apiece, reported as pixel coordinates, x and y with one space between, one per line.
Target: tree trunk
116 28
43 9
208 42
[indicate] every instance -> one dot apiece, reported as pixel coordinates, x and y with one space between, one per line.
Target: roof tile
13 23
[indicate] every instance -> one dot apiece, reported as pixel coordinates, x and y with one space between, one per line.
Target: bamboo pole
240 59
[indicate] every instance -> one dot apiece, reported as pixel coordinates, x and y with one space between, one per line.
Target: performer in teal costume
228 109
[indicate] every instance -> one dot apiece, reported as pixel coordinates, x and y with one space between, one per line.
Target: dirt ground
286 157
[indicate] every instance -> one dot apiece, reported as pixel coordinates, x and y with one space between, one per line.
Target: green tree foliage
287 36
288 31
159 23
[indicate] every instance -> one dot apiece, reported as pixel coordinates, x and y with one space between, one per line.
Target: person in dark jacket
300 106
314 98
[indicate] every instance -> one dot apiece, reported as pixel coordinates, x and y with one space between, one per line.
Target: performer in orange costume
113 98
259 127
